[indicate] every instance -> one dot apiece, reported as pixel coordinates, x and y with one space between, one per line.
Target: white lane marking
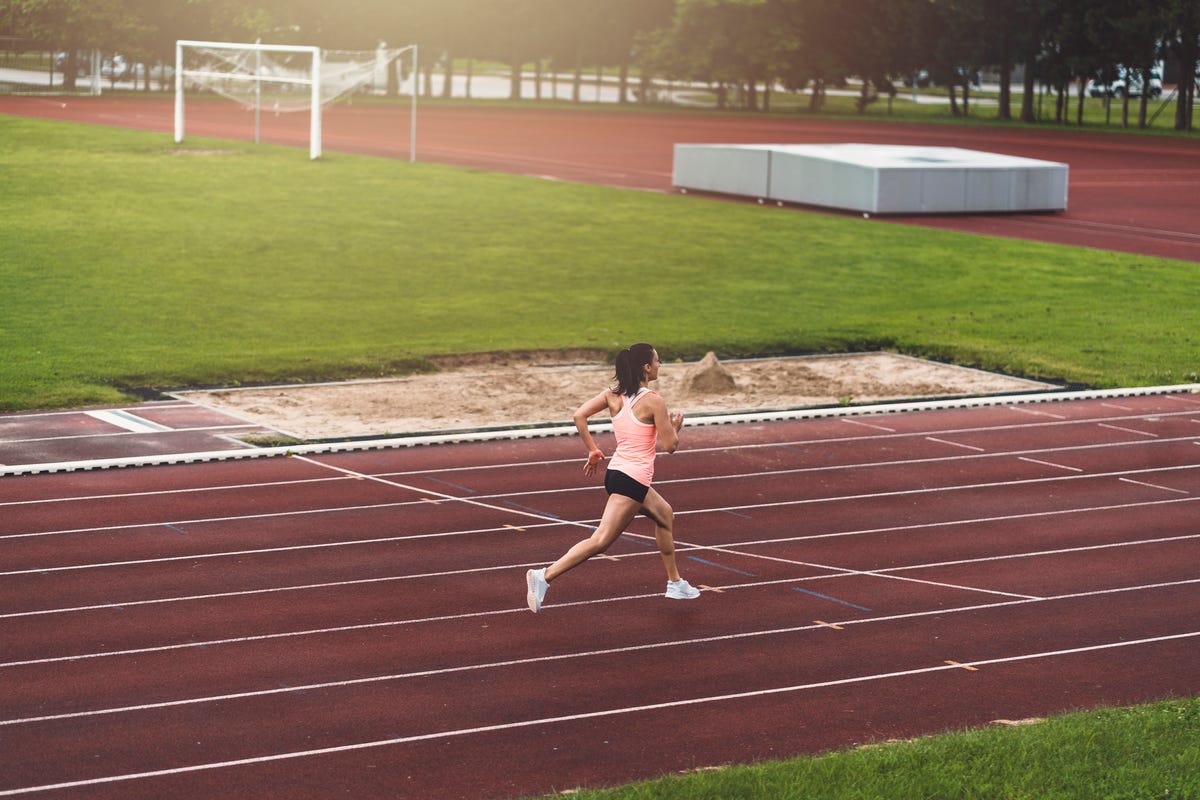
620 711
590 653
841 573
1127 430
694 451
1036 412
1154 486
1049 464
956 444
860 423
586 524
127 421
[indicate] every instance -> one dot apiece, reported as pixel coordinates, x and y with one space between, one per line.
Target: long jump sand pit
523 390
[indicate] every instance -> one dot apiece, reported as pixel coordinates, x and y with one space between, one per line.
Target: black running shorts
617 482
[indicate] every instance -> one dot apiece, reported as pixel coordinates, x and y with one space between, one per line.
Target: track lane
870 586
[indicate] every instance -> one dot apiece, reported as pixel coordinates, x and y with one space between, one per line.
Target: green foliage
127 264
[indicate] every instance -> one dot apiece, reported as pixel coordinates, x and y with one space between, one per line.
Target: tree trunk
71 68
622 92
1004 112
577 83
817 99
1028 86
1145 99
514 90
448 77
1187 82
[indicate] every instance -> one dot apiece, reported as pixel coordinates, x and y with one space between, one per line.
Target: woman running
640 421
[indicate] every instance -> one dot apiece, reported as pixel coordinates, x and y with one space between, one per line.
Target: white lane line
1127 430
92 498
328 448
682 547
1154 486
611 712
507 465
868 425
1182 399
1036 412
588 653
1049 464
131 431
690 480
840 573
584 524
24 415
127 421
956 444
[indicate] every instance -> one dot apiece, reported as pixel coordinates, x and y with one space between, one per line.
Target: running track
353 624
1132 194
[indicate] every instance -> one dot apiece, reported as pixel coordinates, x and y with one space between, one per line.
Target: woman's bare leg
663 516
618 513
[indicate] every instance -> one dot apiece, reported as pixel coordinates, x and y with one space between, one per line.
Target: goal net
289 78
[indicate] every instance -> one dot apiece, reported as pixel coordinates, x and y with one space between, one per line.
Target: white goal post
284 78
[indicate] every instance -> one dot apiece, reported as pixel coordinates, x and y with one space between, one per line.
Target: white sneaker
536 586
681 590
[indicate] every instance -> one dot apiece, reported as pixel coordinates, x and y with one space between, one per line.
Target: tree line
739 48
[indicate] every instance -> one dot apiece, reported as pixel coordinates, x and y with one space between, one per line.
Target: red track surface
143 430
1132 194
355 625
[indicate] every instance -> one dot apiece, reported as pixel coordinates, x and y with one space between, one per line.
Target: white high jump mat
874 178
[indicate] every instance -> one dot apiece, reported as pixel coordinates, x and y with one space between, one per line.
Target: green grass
125 266
1143 753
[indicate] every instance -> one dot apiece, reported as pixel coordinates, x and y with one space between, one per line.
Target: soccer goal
289 78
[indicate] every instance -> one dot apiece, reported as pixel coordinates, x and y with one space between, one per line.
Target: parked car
924 79
1120 87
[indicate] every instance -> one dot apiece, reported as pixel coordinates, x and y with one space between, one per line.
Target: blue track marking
722 566
531 509
180 531
831 599
466 489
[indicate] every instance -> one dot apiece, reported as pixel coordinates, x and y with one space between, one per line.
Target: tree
74 25
1182 25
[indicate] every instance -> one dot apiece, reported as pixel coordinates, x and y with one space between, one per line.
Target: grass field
125 265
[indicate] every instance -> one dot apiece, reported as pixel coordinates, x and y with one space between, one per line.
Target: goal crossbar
314 131
264 70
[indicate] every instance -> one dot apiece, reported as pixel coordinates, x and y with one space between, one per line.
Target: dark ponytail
629 372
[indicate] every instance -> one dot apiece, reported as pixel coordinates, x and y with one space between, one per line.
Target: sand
528 389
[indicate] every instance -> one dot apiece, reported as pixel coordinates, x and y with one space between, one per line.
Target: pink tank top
636 442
